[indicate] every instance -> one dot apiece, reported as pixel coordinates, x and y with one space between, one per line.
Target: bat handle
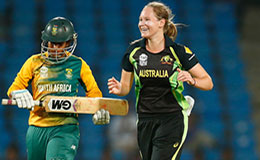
13 102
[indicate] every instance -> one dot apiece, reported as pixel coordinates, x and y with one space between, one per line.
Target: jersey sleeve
88 81
125 64
187 57
23 77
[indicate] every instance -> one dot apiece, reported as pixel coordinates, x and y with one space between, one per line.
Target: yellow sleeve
89 81
23 77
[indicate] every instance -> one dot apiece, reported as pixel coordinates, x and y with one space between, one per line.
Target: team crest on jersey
44 72
68 73
54 30
143 59
166 60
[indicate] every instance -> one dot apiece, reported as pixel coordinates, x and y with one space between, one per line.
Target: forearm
125 89
126 82
204 83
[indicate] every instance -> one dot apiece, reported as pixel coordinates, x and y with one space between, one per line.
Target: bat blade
85 105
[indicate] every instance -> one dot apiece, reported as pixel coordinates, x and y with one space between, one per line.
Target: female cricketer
159 67
55 71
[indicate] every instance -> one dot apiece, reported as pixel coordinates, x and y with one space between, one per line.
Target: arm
123 87
22 79
18 91
197 77
89 82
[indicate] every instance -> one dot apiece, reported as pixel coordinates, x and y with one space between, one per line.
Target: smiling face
149 25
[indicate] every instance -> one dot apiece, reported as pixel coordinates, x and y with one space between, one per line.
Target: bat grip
13 102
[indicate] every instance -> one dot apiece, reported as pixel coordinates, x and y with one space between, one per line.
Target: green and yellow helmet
58 30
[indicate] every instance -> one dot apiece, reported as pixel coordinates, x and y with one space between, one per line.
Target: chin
145 35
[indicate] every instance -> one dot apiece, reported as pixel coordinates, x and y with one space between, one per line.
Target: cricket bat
84 105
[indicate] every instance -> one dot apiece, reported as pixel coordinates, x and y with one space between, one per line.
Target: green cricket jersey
59 80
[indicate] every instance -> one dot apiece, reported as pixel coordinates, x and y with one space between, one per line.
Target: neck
155 44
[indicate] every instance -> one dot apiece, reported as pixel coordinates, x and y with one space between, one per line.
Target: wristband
194 82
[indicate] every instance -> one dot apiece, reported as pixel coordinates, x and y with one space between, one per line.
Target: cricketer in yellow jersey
55 71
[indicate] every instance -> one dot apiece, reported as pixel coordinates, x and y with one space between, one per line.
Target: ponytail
170 30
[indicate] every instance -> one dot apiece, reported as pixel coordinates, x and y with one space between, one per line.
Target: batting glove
191 102
23 98
101 117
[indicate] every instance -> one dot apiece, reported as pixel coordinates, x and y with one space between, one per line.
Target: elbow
210 85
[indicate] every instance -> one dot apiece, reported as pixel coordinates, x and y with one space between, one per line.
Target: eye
57 43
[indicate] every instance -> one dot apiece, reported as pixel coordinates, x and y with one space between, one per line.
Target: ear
162 23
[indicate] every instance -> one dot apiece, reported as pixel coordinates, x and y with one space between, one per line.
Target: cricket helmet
58 30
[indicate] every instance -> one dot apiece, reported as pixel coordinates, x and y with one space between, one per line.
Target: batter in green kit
55 71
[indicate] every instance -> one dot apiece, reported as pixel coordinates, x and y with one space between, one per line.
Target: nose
56 45
140 23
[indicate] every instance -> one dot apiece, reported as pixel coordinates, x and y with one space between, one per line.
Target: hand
23 98
191 102
114 86
101 117
185 76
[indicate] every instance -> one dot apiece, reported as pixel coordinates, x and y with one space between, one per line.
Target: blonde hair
164 12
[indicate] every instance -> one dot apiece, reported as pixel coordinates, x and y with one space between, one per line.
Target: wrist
194 82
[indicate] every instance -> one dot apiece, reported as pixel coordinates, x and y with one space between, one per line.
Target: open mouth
144 29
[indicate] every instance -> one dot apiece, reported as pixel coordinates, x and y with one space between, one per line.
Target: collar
168 42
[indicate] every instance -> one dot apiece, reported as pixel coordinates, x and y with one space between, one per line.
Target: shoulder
181 49
186 56
35 58
76 59
79 61
135 44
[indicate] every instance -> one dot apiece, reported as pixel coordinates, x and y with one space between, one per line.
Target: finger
103 115
110 83
95 119
180 76
23 100
107 117
98 115
27 98
111 86
19 103
113 91
31 100
179 70
112 79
